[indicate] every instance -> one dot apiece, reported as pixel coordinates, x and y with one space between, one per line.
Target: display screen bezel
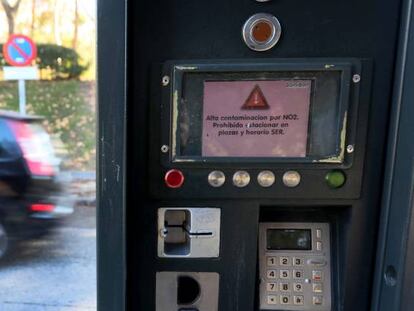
180 70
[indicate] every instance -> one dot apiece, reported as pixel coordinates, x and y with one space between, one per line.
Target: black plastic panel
159 31
313 171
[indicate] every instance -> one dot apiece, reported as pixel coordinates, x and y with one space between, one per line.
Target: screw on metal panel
356 78
163 232
165 149
350 149
165 80
390 276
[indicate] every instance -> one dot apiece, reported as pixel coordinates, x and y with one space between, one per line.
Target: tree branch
17 4
8 7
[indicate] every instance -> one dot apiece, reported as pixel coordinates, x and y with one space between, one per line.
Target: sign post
22 96
20 52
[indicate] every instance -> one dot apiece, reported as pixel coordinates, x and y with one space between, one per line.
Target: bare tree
75 26
11 13
56 22
32 26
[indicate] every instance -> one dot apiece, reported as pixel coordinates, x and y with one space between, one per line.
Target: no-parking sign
19 51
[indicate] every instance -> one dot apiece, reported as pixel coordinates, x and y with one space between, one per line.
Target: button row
284 287
285 274
273 261
265 179
285 300
285 261
319 238
175 179
297 300
295 274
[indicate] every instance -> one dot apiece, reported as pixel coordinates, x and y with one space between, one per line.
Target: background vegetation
68 108
65 33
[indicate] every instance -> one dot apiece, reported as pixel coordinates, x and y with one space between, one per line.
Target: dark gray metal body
394 286
111 155
314 29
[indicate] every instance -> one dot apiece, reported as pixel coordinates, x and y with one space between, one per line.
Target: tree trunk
75 26
32 27
11 13
56 22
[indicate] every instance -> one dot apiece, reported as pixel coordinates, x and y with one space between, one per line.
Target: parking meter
255 144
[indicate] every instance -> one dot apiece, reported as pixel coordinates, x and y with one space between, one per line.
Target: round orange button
262 31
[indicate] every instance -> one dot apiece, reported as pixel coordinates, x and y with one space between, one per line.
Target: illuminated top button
241 179
266 179
261 32
335 179
174 179
291 179
216 179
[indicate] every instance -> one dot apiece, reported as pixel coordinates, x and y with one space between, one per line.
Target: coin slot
188 290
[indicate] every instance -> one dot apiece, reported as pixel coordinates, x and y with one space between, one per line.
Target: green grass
68 108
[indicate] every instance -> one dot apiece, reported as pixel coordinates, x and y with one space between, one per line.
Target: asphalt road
56 272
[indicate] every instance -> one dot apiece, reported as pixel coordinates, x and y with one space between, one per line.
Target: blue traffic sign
19 50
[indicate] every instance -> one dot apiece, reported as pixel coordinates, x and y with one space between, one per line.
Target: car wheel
4 241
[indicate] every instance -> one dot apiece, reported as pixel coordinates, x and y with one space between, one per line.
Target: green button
335 179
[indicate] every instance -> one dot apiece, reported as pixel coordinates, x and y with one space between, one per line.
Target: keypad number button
271 300
284 300
318 233
298 300
317 287
284 261
271 287
297 261
284 287
298 287
319 246
271 274
271 261
284 274
317 275
297 274
317 300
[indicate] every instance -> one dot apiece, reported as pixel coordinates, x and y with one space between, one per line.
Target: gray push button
317 300
317 262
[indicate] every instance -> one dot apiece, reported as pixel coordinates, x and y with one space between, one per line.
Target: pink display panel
256 118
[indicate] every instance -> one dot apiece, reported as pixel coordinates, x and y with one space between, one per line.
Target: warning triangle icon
256 100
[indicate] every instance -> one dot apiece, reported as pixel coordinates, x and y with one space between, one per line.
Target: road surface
54 273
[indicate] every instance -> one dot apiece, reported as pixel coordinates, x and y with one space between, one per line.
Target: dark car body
32 194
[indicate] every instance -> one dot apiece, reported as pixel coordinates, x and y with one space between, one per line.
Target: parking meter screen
289 239
286 116
256 118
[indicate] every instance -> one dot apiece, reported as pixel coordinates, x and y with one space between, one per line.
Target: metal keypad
296 280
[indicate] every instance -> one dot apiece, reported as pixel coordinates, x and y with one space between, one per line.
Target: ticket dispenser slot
187 291
295 266
189 232
176 232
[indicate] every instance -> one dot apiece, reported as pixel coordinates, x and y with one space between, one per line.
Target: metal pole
22 96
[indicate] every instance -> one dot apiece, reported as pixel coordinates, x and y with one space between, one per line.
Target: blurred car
32 195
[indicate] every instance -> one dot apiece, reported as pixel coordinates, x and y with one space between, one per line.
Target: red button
174 179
